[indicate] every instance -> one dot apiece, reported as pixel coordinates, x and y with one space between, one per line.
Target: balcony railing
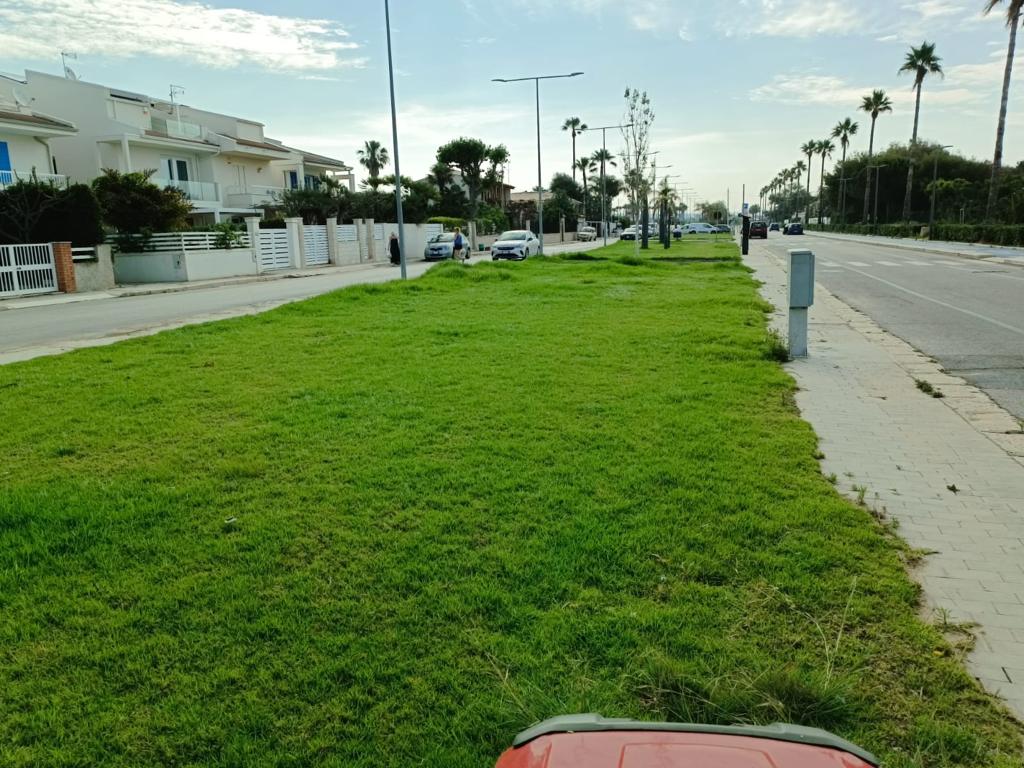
179 129
252 196
10 177
194 190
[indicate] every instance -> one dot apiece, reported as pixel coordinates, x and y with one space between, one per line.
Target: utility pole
394 139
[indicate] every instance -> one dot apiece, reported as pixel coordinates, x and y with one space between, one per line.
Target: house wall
160 267
206 265
256 172
26 154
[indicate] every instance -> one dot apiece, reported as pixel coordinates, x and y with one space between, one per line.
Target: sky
736 85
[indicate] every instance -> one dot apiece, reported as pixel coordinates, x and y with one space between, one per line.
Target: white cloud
218 37
809 89
799 18
684 32
933 9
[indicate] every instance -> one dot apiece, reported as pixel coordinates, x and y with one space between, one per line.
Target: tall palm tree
1013 14
843 131
825 149
809 148
874 104
585 164
373 156
920 61
575 126
798 175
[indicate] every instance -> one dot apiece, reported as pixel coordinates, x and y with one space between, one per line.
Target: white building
25 142
224 164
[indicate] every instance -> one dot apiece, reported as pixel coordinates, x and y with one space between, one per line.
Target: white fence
347 233
188 241
27 269
274 249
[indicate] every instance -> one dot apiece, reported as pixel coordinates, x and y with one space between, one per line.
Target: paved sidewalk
944 469
999 254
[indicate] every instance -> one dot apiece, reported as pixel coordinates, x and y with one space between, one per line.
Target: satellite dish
69 73
20 99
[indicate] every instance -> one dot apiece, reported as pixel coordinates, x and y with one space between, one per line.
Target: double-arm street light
604 192
540 178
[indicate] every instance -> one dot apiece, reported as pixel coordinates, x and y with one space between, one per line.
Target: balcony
252 196
10 177
196 191
178 129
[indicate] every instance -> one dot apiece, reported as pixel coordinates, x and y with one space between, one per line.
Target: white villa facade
225 165
25 143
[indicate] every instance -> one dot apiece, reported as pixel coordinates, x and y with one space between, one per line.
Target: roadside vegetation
395 524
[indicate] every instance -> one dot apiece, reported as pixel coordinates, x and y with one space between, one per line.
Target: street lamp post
394 139
878 169
604 151
540 178
935 181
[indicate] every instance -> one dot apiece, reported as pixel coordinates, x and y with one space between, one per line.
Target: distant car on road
793 228
629 233
439 247
773 227
516 244
759 229
586 234
723 228
699 228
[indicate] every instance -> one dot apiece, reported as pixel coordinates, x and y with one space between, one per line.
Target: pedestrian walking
395 250
459 247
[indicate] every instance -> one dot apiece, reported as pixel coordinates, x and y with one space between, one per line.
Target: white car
586 234
699 228
516 244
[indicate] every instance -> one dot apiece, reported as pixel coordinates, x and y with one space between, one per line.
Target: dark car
759 229
773 227
794 228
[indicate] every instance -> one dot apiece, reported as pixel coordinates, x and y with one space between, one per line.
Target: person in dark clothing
395 250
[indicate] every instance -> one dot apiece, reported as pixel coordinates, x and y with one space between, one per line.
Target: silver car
439 247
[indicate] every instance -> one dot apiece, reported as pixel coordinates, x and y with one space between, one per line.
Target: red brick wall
65 265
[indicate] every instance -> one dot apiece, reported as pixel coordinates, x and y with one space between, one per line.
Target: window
177 169
5 157
291 179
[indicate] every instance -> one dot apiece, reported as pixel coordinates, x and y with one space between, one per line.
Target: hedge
992 234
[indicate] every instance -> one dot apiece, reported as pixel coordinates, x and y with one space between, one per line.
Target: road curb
924 249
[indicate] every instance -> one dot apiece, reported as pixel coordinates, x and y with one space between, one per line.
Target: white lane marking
921 263
858 264
945 304
888 264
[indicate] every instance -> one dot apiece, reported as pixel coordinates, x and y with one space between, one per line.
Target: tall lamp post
540 178
935 181
878 170
394 139
604 151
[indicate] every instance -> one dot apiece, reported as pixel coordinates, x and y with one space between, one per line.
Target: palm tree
843 131
825 149
373 156
1013 14
585 164
575 126
874 104
921 61
809 148
798 174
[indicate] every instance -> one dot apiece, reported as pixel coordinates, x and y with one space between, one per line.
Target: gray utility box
801 278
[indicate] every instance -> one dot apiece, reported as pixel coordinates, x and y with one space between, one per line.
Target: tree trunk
573 131
842 178
821 191
913 148
997 157
867 180
586 198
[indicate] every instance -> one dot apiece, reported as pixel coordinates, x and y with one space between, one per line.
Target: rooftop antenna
69 73
177 90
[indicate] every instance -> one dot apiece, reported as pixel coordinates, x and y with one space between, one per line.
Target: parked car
759 229
699 228
586 234
592 741
773 227
629 233
516 244
439 247
793 228
723 228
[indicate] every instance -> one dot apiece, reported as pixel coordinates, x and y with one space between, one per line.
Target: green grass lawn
393 525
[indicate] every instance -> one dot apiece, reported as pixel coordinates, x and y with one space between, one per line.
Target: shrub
32 211
448 222
228 235
273 222
132 205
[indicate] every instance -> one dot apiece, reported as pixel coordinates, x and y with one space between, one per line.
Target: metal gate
274 252
27 269
315 240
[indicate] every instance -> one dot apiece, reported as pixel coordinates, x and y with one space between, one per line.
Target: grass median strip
395 524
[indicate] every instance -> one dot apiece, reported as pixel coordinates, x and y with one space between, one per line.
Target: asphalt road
32 331
967 314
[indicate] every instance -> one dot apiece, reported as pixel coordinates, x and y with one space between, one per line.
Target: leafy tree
843 131
575 126
315 206
131 204
469 156
921 62
638 117
33 211
825 149
563 183
809 148
373 157
556 206
874 104
1013 14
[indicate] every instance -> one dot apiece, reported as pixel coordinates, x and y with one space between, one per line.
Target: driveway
32 331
